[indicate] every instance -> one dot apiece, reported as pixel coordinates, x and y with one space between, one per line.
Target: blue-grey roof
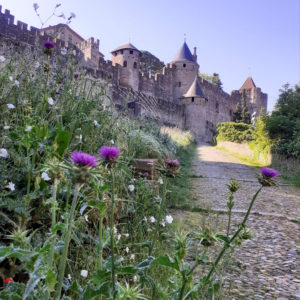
195 90
184 54
126 46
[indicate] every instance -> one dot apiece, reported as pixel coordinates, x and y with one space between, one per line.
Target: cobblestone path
269 264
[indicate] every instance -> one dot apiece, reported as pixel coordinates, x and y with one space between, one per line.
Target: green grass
247 160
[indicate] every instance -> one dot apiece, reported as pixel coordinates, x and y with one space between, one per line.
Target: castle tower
195 106
185 70
255 98
128 57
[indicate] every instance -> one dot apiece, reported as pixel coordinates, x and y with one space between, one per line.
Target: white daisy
131 187
10 106
28 128
45 176
84 273
11 186
3 153
152 219
50 101
169 219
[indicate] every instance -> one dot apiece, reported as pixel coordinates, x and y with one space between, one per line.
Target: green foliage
214 79
284 122
235 132
149 63
241 114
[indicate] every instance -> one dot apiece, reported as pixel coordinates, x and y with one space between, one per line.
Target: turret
185 70
128 57
255 98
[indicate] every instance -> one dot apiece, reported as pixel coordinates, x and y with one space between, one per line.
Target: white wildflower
160 181
152 219
35 6
169 219
74 52
63 51
126 235
6 127
45 176
73 15
50 101
2 58
37 64
162 223
28 128
131 187
11 186
127 250
145 219
121 259
96 123
84 273
10 78
132 256
135 278
17 83
3 153
118 236
112 142
86 218
69 277
10 106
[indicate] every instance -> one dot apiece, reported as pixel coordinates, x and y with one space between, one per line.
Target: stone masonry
176 96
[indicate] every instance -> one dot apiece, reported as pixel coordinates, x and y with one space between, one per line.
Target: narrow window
135 65
184 65
131 52
121 51
193 99
217 107
179 84
125 64
8 21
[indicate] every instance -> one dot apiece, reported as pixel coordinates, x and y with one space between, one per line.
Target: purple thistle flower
49 45
76 74
84 159
173 164
109 153
269 173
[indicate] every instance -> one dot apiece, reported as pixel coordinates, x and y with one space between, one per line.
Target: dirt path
269 264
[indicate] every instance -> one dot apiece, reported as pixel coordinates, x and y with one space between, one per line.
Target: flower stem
230 205
53 221
100 259
112 233
158 220
63 260
226 246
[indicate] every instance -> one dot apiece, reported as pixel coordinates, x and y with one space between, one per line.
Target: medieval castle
176 96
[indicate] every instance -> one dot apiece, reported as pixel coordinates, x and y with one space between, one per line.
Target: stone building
176 96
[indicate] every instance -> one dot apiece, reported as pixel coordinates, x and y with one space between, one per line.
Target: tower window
184 65
131 51
193 99
217 107
135 65
125 64
179 84
121 51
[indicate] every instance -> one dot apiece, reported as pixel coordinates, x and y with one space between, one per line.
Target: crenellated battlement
161 96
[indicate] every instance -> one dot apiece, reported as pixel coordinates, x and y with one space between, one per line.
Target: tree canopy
149 63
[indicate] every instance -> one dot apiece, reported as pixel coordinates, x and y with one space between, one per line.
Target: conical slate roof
126 46
195 90
248 84
183 54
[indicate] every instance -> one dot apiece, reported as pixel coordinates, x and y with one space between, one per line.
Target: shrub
235 132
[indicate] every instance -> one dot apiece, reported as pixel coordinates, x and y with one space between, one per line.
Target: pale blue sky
232 36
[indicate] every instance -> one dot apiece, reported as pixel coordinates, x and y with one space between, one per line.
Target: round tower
128 57
185 70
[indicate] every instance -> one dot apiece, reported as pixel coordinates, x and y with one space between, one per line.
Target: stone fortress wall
176 96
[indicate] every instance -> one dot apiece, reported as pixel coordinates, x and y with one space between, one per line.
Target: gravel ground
268 265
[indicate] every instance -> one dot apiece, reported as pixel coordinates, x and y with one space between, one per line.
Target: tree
241 114
214 79
150 63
